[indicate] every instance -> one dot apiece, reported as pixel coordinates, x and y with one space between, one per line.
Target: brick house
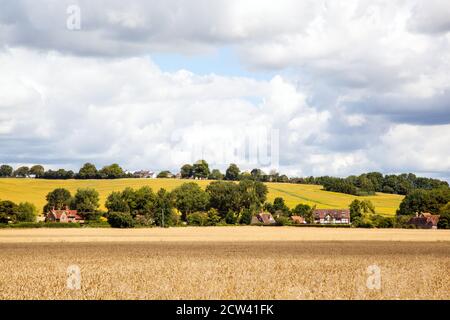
332 216
63 216
264 218
425 220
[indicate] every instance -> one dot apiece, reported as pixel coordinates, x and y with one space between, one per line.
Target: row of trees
369 183
222 201
12 212
436 201
87 171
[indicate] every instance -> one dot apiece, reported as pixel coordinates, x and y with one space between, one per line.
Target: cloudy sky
336 87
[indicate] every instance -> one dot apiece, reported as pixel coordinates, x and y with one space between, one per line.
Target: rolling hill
35 190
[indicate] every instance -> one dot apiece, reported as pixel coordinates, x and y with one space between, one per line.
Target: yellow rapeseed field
225 263
19 190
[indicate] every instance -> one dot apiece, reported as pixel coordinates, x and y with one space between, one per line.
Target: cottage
63 216
332 216
264 218
425 220
298 220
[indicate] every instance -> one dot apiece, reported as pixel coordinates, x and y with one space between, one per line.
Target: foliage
223 196
187 171
232 173
197 219
86 200
444 219
37 170
231 217
213 217
283 221
22 172
246 216
280 206
216 175
6 171
113 171
120 220
252 194
26 212
360 207
189 197
88 171
8 210
163 210
424 201
164 174
201 169
58 199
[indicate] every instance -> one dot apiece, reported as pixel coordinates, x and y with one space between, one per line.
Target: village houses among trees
233 197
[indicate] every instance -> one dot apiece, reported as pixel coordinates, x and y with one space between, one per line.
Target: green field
31 190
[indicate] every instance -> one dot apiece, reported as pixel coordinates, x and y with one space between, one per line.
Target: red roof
69 214
337 214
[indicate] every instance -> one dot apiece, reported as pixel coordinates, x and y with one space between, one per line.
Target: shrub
120 220
283 221
213 217
246 217
197 219
231 218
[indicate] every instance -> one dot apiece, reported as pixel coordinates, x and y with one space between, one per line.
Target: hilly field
35 190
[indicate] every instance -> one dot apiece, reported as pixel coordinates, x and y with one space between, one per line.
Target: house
332 216
144 174
63 216
298 220
264 218
425 220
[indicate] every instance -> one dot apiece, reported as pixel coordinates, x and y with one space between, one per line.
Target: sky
302 87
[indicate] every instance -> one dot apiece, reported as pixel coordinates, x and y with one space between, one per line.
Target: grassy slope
19 190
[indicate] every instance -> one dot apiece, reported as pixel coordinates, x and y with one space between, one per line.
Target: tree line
364 184
222 202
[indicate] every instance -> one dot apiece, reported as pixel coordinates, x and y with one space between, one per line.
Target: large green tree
189 197
216 175
88 171
187 171
86 200
113 171
6 171
424 201
201 169
164 206
252 194
232 172
26 212
37 170
224 196
8 211
58 199
22 172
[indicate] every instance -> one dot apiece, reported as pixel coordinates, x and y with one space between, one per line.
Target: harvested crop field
182 265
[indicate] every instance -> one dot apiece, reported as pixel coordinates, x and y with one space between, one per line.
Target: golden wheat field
31 190
225 263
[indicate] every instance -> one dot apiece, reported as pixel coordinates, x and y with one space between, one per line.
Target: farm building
63 216
264 218
332 216
425 220
144 174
